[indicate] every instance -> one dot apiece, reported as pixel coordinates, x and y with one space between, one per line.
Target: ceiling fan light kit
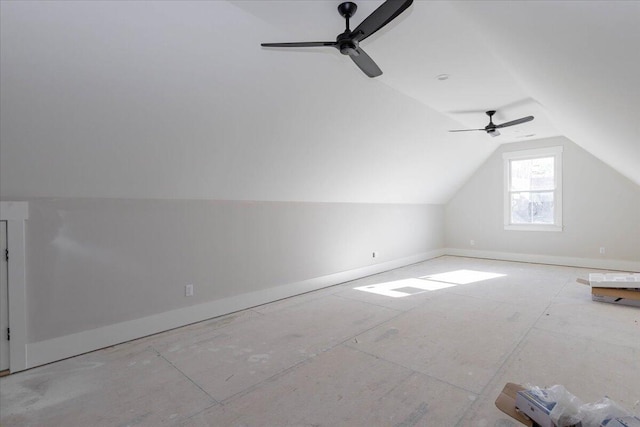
348 42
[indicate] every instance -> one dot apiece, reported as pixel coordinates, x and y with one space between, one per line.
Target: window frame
556 153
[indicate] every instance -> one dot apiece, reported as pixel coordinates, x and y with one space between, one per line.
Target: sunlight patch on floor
463 277
407 287
404 288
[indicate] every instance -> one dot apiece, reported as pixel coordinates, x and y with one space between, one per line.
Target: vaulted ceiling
178 99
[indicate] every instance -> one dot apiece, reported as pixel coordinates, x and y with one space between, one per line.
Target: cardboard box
621 422
534 407
615 280
506 402
616 296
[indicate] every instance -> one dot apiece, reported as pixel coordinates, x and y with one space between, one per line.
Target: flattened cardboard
506 402
583 281
616 296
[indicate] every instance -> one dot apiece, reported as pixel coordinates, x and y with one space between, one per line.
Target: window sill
532 227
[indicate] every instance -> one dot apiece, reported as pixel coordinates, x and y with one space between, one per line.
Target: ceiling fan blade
515 122
380 17
464 130
365 63
299 44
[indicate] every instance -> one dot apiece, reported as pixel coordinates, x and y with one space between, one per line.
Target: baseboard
601 264
43 352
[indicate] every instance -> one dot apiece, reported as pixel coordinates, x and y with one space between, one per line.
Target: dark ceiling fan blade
365 63
515 122
299 44
465 130
380 17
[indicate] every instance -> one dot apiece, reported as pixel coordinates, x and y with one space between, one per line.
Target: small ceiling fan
347 42
492 129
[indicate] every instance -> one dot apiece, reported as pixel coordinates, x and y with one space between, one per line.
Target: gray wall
97 262
601 208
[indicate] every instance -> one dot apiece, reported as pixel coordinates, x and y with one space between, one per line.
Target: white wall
601 208
109 266
125 132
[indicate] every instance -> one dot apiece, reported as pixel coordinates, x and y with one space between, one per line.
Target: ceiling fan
492 129
348 42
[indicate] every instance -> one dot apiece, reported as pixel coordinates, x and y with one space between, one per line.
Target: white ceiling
178 99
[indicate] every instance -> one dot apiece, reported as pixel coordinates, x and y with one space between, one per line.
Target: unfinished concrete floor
394 349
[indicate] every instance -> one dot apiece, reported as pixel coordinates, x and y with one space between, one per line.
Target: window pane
532 208
532 174
520 210
543 208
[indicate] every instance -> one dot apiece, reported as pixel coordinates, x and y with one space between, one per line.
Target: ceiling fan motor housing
346 44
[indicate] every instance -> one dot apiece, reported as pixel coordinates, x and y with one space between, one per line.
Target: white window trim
556 152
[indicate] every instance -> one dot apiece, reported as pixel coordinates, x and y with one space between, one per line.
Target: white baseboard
43 352
601 264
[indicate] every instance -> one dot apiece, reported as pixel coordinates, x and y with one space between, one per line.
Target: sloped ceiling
178 100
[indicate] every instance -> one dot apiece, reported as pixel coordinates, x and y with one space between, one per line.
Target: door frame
16 213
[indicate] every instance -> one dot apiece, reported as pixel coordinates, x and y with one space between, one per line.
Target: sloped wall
601 208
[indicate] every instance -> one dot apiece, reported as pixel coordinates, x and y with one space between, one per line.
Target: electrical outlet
472 242
602 251
188 290
374 254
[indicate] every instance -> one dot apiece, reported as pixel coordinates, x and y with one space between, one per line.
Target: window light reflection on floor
463 277
414 286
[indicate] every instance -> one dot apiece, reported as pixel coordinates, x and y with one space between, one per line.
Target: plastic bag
570 410
566 412
593 414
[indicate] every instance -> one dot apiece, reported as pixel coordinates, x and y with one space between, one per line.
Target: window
533 189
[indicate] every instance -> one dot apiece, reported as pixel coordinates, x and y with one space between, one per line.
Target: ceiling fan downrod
347 10
491 127
346 44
